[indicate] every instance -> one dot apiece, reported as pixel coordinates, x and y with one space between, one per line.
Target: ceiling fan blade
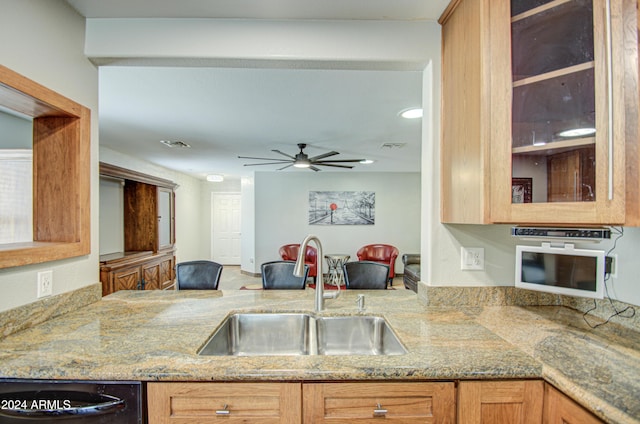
249 157
324 155
267 163
313 168
284 154
285 167
336 166
337 161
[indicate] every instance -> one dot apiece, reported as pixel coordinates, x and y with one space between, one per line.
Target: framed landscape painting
342 207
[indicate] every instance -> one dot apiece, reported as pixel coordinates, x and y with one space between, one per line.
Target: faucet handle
360 302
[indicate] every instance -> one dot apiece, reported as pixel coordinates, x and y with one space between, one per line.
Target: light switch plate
472 258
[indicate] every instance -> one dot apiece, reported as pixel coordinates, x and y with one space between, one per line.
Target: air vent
393 145
179 144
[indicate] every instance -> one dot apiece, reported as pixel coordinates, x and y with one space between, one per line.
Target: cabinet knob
379 411
224 410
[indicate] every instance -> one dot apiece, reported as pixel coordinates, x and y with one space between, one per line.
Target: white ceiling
263 9
226 112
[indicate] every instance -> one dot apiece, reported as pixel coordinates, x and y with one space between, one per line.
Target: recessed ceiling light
577 132
412 113
215 178
393 145
366 161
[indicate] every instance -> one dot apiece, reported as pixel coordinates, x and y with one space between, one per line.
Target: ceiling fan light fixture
413 113
366 161
302 164
215 178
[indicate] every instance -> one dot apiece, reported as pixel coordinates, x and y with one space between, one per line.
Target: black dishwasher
77 402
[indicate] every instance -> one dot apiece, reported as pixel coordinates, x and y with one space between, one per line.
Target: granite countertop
154 336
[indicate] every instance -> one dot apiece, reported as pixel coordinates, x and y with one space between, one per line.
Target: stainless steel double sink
258 334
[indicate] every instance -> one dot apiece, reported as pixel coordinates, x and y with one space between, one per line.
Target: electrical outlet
472 258
45 283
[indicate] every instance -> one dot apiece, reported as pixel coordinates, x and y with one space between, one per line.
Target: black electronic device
586 235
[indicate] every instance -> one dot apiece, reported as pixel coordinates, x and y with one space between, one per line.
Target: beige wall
44 41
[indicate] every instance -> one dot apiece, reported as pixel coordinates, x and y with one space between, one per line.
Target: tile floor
233 279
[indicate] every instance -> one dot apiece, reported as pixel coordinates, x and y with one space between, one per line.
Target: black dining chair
366 275
279 275
198 275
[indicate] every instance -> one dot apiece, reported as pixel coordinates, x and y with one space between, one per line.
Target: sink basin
357 335
263 334
259 334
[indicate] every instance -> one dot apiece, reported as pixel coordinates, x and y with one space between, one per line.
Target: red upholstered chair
289 252
381 253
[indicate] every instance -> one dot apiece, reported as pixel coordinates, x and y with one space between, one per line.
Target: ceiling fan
302 160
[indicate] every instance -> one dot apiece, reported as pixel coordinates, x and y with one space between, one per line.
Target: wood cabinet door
536 99
151 275
377 402
126 279
559 409
467 72
185 403
167 273
514 402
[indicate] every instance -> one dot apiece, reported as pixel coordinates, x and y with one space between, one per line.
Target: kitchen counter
154 336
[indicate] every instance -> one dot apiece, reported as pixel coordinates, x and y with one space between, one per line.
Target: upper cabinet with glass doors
566 151
553 133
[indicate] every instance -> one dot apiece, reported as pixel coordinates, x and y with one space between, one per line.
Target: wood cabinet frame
61 172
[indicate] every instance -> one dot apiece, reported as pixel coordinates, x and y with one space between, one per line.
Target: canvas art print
342 207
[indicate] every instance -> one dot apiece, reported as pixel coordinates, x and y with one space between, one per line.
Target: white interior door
225 228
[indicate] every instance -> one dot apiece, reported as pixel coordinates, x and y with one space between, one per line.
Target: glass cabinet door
554 101
165 218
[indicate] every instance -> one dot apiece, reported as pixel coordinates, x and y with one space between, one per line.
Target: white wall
111 216
248 226
16 133
282 202
44 40
191 204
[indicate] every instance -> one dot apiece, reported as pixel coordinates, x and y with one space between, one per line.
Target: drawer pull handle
379 411
223 411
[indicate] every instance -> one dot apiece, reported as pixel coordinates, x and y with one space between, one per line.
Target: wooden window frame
61 172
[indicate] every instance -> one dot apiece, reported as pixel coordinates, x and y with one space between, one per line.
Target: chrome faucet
298 271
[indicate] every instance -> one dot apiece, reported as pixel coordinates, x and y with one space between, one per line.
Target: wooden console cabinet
147 261
137 271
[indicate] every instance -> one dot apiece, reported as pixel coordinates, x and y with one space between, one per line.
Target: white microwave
561 270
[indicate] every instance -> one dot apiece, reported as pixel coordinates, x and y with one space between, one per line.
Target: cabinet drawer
226 402
373 402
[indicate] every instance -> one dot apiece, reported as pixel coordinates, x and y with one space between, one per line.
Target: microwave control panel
584 234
